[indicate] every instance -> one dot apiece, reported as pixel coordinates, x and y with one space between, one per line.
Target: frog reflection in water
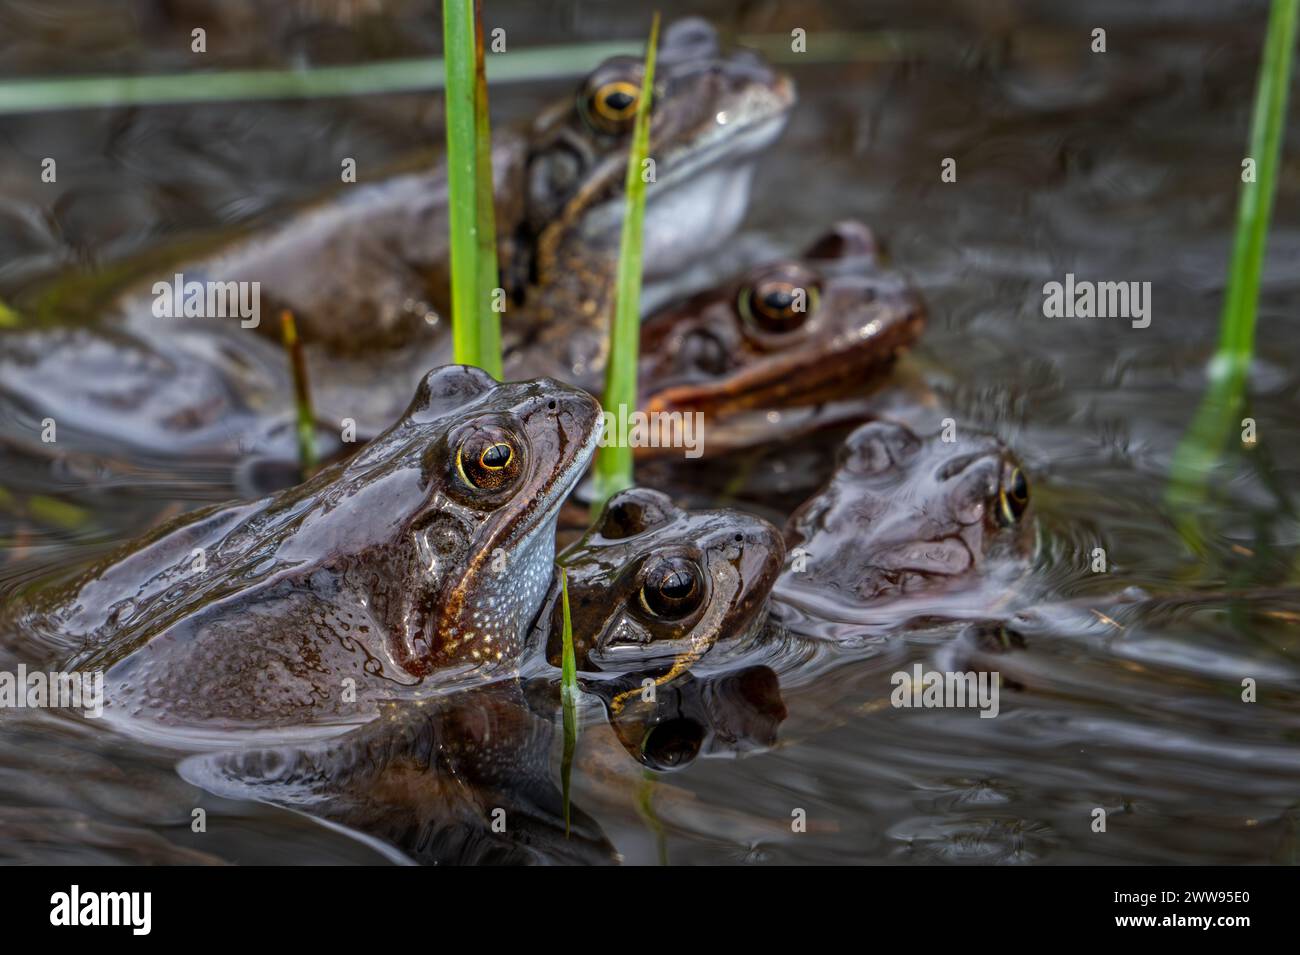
366 275
735 712
905 520
463 779
469 778
427 553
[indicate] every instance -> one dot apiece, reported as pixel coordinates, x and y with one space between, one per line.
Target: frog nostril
552 405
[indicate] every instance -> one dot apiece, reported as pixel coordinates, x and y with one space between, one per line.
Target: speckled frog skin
428 553
654 585
904 515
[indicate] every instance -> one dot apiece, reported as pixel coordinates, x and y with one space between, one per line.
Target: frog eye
611 106
1013 498
778 304
489 459
672 588
634 511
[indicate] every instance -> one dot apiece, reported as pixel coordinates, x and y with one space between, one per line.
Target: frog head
652 584
904 516
796 331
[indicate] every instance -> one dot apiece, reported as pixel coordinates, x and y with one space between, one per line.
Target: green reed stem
1219 411
387 76
485 209
458 47
645 808
1255 205
613 469
416 74
568 696
53 512
301 394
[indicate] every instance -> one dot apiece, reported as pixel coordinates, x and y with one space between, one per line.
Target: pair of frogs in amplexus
365 274
426 562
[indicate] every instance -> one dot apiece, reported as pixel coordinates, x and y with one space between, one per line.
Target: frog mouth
701 187
726 141
549 502
794 378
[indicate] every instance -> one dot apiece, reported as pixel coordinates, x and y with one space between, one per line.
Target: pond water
1115 166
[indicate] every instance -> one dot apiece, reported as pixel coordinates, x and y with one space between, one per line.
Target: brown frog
792 333
795 332
372 265
422 559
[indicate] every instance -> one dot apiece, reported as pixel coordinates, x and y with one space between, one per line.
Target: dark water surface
1121 166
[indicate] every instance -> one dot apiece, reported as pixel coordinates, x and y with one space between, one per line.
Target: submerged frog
436 779
653 585
116 396
463 779
429 552
906 519
369 268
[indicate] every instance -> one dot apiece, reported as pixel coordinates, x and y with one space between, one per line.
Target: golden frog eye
1013 498
672 588
611 106
777 305
488 459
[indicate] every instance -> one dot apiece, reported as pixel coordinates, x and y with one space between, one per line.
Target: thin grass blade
568 697
306 417
613 469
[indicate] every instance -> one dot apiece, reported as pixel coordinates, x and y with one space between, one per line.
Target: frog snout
574 409
969 487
